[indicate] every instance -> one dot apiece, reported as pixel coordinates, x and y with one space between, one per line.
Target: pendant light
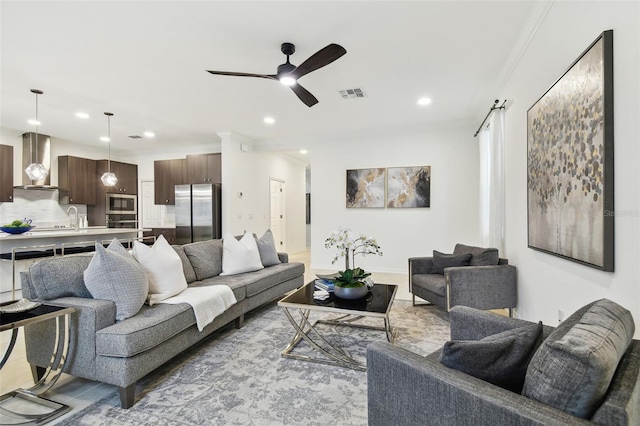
109 178
36 171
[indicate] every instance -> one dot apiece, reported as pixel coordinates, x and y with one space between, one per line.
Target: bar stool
25 253
76 247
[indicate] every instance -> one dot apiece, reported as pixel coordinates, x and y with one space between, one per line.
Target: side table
26 406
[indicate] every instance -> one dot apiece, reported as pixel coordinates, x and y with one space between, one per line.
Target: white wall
452 153
547 283
248 172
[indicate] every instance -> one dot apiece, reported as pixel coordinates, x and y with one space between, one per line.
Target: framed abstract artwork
570 162
409 186
365 187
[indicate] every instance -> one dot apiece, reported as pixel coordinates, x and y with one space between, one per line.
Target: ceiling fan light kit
288 74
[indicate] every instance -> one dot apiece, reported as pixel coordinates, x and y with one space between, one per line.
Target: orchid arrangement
349 246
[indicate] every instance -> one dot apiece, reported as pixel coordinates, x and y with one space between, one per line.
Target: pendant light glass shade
109 178
36 171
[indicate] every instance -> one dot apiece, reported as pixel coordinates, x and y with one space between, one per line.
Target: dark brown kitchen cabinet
166 175
6 173
204 168
168 233
126 173
76 180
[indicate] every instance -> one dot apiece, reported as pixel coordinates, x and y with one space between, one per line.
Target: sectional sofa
122 352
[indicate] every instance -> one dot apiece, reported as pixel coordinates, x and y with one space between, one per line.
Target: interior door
278 217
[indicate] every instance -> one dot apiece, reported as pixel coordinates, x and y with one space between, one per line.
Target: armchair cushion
479 256
501 358
574 366
442 261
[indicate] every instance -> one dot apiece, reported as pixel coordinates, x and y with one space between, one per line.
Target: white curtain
492 206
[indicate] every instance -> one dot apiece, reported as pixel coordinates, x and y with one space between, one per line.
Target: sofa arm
284 257
482 287
404 388
91 315
420 265
473 324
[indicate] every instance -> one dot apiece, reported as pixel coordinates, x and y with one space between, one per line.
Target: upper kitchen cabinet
76 180
204 168
6 173
126 173
166 175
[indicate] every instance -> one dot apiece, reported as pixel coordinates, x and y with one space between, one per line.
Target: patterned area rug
237 377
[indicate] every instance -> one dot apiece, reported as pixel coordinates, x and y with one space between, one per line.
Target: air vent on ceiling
352 93
135 137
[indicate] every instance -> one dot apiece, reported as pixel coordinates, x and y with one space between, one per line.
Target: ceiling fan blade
244 74
304 95
319 59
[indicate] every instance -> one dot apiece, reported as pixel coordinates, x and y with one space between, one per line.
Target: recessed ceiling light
104 138
424 101
148 134
269 120
82 115
34 122
303 151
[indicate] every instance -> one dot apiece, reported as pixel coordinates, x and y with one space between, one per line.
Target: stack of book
324 285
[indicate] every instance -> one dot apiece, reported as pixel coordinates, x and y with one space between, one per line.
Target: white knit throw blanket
207 302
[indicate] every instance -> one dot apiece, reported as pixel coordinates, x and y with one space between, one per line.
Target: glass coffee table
377 304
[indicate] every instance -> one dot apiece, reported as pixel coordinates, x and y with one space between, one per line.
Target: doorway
277 196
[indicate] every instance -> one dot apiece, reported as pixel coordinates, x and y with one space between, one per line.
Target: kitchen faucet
74 221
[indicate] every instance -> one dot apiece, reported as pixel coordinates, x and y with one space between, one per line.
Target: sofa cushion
150 327
59 277
205 257
239 256
114 275
501 358
267 249
237 286
187 268
480 256
573 367
431 282
442 261
163 267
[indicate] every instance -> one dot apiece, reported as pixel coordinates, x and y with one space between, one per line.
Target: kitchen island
59 237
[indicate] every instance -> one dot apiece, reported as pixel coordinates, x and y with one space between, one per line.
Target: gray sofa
487 282
121 353
405 388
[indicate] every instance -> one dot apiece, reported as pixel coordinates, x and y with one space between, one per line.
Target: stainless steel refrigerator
198 212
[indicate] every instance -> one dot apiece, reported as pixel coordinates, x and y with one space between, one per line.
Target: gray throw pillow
119 278
574 366
442 260
480 256
267 249
501 359
205 258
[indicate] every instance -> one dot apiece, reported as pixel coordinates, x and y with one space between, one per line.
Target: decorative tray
22 305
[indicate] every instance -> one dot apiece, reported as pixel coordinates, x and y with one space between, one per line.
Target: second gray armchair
485 282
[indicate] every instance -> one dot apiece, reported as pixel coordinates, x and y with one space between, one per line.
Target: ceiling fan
288 74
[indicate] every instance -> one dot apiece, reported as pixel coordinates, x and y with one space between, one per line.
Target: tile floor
80 393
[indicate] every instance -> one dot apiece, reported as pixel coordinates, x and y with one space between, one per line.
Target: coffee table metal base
305 330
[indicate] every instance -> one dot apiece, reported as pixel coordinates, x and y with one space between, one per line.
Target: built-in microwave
122 204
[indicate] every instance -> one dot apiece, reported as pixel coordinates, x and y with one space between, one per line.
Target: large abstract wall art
365 187
570 162
409 186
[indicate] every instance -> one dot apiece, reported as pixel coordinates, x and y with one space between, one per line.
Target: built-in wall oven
122 211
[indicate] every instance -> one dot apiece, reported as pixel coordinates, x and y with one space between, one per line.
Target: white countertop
67 232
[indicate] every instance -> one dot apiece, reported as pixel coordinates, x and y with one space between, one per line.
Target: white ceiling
145 61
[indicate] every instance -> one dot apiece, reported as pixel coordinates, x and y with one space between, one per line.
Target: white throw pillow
240 256
114 275
163 267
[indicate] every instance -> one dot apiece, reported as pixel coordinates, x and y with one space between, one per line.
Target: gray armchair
405 388
478 285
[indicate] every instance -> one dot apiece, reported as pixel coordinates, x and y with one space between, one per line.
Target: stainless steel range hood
29 155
